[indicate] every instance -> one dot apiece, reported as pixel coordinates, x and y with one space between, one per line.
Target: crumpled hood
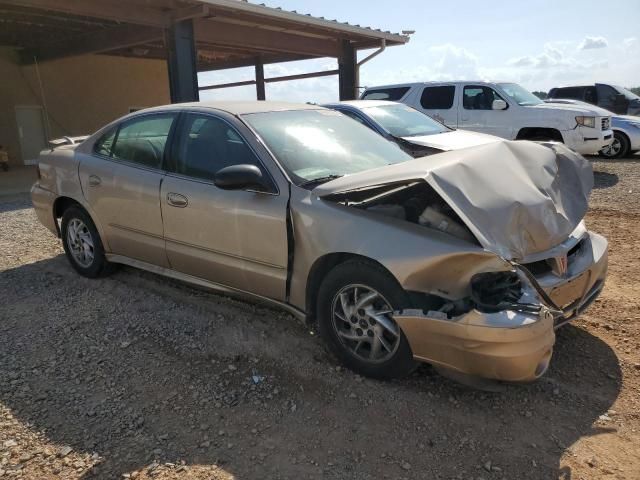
517 197
453 140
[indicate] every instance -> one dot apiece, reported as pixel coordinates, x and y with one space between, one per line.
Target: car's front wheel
355 305
82 244
619 148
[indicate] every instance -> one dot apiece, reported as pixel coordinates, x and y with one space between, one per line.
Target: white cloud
590 43
630 42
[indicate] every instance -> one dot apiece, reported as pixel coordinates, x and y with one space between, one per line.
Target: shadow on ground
604 179
138 370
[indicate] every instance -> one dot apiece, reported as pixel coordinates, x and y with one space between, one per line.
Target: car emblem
560 265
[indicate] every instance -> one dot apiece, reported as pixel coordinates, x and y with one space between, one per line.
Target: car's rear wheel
355 305
619 148
82 244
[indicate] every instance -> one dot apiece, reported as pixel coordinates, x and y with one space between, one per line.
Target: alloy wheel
613 149
362 320
80 242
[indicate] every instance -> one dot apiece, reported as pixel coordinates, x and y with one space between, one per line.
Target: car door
438 101
121 180
477 112
235 238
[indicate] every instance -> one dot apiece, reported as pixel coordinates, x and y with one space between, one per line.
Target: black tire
99 266
619 148
368 275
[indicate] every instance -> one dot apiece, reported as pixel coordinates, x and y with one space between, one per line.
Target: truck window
438 98
479 97
392 94
576 93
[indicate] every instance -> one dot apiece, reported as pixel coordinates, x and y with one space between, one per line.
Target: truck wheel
82 244
355 303
619 148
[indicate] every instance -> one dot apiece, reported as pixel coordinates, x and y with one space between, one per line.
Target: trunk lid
518 198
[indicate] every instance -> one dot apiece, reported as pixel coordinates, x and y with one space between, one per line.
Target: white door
32 133
477 113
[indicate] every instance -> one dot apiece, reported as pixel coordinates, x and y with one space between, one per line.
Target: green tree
540 95
635 90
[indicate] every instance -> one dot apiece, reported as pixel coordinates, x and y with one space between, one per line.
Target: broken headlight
496 291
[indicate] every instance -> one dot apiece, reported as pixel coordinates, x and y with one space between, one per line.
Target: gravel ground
137 376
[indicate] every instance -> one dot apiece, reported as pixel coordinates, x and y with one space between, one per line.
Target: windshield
629 95
520 95
403 121
316 144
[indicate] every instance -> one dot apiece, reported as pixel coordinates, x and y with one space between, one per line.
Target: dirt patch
140 376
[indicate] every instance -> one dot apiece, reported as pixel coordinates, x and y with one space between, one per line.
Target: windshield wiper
319 180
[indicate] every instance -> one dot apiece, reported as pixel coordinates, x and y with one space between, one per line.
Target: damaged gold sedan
467 259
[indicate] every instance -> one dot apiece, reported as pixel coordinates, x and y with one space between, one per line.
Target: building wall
82 93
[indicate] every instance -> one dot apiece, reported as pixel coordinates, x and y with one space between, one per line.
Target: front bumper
587 141
476 344
509 345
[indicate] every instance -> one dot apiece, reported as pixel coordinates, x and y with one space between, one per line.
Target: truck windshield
404 121
318 145
627 94
520 95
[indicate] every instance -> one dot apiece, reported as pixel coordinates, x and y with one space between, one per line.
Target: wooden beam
262 40
260 91
100 41
214 65
181 62
285 78
348 68
116 10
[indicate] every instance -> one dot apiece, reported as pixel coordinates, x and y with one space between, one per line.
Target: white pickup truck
503 109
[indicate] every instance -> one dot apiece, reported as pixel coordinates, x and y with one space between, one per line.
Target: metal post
181 62
347 71
260 90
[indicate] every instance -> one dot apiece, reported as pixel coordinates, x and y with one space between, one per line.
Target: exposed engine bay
418 203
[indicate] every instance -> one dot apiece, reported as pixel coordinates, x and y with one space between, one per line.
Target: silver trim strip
183 277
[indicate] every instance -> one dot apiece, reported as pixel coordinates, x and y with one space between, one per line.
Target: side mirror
499 105
240 177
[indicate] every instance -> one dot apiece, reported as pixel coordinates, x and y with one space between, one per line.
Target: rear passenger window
208 144
438 98
569 92
392 94
142 140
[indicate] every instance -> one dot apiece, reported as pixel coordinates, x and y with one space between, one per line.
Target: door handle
177 200
94 180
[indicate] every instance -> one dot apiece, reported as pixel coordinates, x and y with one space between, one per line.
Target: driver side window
208 144
479 97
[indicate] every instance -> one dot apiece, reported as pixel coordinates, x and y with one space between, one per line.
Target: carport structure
192 35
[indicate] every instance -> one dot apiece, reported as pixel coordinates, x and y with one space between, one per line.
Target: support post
260 90
347 71
181 62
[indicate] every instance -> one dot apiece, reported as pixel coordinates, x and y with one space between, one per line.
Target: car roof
237 107
442 82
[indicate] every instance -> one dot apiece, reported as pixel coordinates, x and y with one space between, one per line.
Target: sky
539 43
